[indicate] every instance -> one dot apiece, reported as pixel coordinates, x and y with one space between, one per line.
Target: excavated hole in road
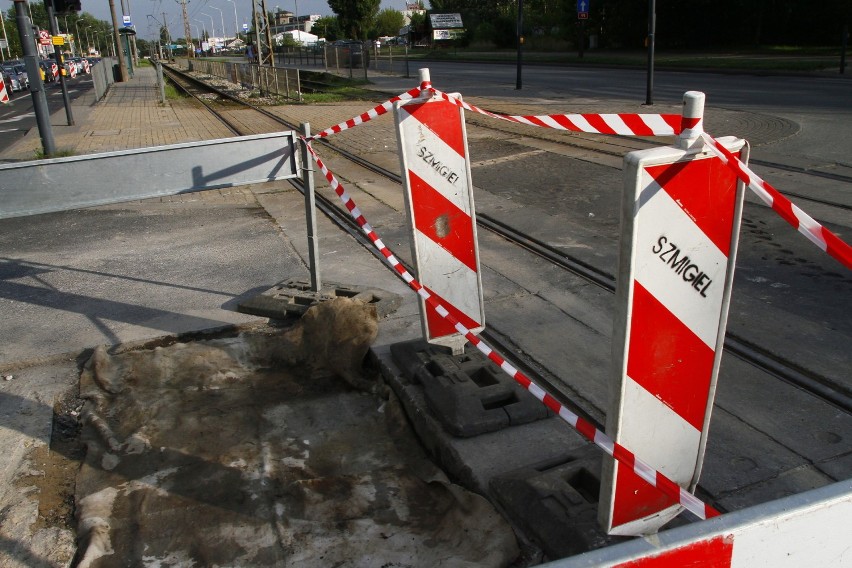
252 451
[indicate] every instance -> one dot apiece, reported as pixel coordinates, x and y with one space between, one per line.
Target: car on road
15 83
23 77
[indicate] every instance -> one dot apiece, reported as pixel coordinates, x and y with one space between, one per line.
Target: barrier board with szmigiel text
680 220
436 175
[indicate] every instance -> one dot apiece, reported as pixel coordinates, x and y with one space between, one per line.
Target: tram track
772 364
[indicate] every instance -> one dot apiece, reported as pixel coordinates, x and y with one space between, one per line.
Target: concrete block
555 503
467 393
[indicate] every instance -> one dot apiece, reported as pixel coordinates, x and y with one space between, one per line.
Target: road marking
17 118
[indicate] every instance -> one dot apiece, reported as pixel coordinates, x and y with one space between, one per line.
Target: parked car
23 77
9 71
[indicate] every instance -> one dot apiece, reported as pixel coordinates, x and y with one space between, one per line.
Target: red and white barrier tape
638 125
587 429
371 114
621 124
798 219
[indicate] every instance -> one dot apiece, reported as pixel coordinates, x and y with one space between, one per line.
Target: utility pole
168 36
190 52
57 54
262 34
122 66
42 112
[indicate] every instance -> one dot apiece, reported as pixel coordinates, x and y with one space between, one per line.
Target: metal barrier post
161 83
310 210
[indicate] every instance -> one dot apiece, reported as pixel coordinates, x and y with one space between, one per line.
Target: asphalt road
820 103
17 118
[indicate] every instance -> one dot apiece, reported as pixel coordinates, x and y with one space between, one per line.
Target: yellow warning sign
58 40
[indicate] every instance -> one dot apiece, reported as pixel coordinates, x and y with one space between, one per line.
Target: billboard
445 21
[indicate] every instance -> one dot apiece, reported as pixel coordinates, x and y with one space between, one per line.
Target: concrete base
556 503
468 393
292 298
475 462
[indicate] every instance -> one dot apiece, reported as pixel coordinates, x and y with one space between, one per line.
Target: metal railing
279 81
103 76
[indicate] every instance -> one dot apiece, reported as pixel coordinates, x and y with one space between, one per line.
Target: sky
219 10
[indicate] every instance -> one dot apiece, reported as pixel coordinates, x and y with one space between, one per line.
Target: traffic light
66 6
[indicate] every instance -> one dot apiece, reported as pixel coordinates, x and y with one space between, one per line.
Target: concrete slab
126 272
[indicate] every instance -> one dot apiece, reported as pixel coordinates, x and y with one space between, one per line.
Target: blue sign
583 9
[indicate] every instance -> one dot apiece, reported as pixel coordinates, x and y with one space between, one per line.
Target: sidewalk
129 116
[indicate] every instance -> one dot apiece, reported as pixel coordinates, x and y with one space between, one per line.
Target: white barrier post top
692 121
424 79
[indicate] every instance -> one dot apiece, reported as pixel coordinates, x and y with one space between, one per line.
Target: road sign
58 40
583 9
681 216
126 21
245 27
44 37
439 199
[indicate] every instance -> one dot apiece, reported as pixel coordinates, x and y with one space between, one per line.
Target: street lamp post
6 38
203 27
77 37
212 44
236 22
88 41
221 17
212 22
198 33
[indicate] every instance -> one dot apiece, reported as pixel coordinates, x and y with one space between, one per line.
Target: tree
355 17
388 23
327 27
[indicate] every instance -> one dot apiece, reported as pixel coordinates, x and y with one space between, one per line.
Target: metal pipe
310 209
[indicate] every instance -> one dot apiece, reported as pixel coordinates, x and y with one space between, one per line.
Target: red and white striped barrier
798 219
4 94
370 114
620 124
657 479
441 213
633 125
680 221
808 529
606 124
